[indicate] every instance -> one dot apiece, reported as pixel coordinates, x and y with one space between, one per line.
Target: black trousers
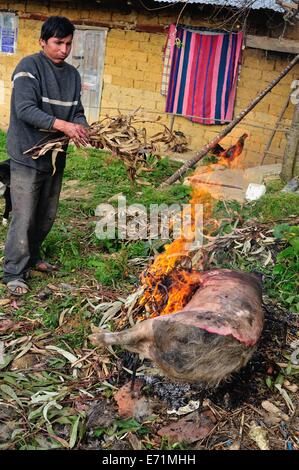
35 197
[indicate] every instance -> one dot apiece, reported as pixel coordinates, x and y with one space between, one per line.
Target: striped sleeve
26 98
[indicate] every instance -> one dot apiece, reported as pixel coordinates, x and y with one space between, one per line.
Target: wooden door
87 55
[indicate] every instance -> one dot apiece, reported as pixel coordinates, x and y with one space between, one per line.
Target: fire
170 282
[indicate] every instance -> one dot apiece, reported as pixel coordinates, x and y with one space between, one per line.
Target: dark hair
57 27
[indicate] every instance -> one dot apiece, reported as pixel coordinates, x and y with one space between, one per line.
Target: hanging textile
203 76
167 59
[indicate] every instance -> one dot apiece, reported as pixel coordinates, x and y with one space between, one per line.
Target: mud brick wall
133 72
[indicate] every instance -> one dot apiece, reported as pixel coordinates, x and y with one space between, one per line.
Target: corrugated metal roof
256 5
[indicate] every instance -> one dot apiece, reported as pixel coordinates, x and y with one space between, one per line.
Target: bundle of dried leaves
119 135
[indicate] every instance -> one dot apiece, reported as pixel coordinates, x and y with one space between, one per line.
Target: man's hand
76 132
97 145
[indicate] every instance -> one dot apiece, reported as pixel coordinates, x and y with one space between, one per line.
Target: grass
281 279
3 154
275 206
72 242
102 267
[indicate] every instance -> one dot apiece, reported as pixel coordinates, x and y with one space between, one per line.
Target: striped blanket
203 76
167 59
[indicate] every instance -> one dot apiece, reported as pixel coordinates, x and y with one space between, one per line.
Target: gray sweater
42 91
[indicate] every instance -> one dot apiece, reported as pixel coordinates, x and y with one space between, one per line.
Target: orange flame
170 282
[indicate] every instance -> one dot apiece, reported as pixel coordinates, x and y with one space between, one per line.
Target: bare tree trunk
190 163
290 164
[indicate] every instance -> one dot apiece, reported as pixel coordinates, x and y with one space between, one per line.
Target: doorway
87 56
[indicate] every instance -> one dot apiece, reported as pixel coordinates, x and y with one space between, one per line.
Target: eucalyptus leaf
24 350
74 432
48 406
5 360
7 390
43 396
35 413
69 356
269 382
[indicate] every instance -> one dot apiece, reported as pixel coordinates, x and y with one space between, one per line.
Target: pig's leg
138 339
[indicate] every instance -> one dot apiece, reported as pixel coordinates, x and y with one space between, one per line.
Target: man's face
57 49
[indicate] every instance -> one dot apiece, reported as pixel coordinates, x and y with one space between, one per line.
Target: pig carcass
214 335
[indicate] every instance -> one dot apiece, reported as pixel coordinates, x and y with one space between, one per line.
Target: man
45 104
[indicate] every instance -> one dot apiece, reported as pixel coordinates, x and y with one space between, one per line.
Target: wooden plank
146 28
104 24
288 46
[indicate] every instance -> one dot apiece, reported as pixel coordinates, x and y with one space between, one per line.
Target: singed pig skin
214 335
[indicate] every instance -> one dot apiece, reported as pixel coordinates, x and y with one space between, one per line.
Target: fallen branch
218 184
190 163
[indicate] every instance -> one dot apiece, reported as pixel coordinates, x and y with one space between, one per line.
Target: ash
173 393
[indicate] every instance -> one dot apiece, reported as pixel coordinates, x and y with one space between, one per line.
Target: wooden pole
289 159
283 110
171 122
190 163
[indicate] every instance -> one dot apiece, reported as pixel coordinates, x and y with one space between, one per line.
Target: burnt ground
237 404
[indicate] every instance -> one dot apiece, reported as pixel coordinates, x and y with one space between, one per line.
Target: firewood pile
124 135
